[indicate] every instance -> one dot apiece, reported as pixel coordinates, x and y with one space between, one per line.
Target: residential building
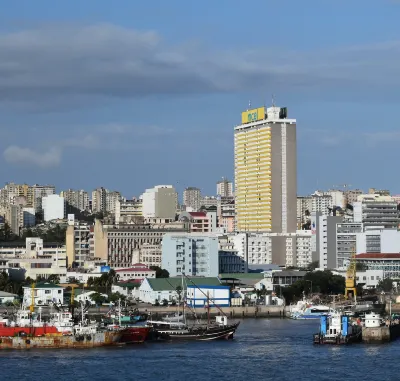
99 200
281 278
160 289
304 209
76 200
193 254
43 294
86 296
138 271
376 212
388 262
380 192
351 196
321 202
11 191
40 191
230 260
265 175
79 243
128 211
6 297
13 216
119 244
148 254
369 278
201 296
346 240
111 201
225 188
227 217
378 241
199 222
160 202
303 248
207 202
130 289
192 198
53 207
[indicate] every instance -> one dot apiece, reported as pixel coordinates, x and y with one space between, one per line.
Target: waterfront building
327 236
388 262
195 254
281 278
265 175
44 294
201 295
192 198
225 188
376 212
53 207
230 260
159 202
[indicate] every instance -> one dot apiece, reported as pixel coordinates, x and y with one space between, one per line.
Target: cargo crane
351 278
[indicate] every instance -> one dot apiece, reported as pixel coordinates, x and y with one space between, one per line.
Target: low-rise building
282 278
203 296
199 222
137 271
389 263
43 294
130 289
86 296
6 297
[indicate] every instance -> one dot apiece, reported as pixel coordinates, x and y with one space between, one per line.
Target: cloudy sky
128 94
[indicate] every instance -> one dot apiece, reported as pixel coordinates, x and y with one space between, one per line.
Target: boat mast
208 308
119 312
183 301
32 307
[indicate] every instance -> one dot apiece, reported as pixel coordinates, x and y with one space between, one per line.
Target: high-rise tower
265 173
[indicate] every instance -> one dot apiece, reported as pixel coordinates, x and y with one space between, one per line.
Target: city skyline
171 92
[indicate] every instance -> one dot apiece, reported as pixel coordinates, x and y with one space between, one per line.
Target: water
262 350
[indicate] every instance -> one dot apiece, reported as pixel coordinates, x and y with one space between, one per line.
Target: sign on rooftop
253 115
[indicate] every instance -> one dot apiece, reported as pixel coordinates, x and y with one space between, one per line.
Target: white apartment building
192 198
111 201
159 202
79 242
40 191
225 188
99 200
346 241
327 237
321 202
378 241
209 201
128 211
304 209
303 248
53 207
376 212
43 294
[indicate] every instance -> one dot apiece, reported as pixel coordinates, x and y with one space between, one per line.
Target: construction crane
351 278
32 306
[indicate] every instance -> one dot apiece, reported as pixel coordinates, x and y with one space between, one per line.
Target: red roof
198 214
378 256
136 267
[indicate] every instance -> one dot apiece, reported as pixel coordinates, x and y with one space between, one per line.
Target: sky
130 94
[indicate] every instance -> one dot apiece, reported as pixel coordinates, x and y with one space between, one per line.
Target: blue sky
129 94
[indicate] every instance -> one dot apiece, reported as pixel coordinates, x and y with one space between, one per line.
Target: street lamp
311 284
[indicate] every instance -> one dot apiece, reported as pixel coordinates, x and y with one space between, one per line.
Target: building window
47 291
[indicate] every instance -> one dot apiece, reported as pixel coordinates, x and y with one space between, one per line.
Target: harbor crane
351 290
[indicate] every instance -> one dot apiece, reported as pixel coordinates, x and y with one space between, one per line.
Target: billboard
253 115
104 269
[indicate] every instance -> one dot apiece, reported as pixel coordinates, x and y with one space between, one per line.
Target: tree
313 265
165 302
179 292
160 273
53 278
98 298
361 266
385 285
114 297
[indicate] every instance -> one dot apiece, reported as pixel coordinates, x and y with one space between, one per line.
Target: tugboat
338 329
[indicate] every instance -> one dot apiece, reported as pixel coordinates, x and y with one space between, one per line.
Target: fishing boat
178 328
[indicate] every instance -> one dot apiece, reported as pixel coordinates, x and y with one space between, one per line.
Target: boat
338 329
313 312
177 328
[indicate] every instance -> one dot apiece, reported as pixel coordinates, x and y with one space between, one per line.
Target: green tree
179 292
361 266
160 273
385 285
114 297
53 278
98 298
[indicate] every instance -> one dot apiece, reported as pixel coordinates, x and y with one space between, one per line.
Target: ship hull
99 339
195 334
134 335
30 331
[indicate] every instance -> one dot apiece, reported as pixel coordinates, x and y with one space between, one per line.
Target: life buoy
88 337
27 341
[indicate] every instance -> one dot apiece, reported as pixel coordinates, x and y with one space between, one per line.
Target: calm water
262 350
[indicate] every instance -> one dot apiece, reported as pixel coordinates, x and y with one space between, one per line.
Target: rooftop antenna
273 100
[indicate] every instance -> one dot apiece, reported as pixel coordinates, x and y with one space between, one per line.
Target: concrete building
112 197
192 198
388 262
148 255
28 216
194 254
328 241
380 192
321 202
128 211
304 209
119 244
159 202
281 278
6 297
225 188
351 196
303 248
199 222
43 294
376 212
53 207
227 217
40 191
76 199
265 175
230 259
208 201
378 241
79 243
346 241
99 200
138 271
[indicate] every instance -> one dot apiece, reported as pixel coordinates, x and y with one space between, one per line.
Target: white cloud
28 157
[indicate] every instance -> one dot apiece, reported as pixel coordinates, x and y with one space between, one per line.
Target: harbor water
263 349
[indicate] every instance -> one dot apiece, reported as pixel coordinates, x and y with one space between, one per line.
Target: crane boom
351 277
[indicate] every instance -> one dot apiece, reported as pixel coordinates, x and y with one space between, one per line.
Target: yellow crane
351 277
32 307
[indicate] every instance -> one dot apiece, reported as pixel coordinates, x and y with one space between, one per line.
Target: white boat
313 312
